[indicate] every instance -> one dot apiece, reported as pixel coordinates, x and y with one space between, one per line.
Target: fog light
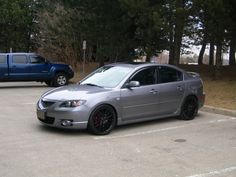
66 123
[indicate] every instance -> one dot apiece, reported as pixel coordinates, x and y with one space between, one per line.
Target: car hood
72 92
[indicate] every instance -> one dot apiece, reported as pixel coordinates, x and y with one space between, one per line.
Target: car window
146 76
19 59
167 74
3 59
36 59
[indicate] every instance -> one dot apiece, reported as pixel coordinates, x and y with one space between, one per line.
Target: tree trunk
232 52
218 55
218 60
179 28
99 55
202 51
171 44
211 54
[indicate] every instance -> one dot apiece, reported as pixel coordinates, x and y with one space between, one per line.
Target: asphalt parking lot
205 146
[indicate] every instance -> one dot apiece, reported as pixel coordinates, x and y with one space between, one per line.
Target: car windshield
107 76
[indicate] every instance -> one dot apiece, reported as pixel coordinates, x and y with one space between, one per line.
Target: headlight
72 103
70 67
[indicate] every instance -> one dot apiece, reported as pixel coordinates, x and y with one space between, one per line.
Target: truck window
19 59
3 59
36 59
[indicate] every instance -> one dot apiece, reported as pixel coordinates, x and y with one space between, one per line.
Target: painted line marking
137 150
220 120
139 133
217 172
29 103
162 129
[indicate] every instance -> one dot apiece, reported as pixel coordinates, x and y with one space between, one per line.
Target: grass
79 74
219 93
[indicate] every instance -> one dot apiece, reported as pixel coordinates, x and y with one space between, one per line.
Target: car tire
189 108
49 83
60 80
102 120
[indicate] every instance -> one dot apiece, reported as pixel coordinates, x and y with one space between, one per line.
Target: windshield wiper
90 84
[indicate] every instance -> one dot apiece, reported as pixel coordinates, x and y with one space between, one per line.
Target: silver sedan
123 93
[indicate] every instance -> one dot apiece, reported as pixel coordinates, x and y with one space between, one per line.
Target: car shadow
146 123
5 85
20 87
155 121
61 131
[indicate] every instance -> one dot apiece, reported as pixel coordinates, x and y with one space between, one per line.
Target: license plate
41 114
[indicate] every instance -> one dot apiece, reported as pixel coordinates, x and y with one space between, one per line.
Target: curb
216 110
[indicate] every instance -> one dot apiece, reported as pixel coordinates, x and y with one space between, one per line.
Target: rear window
3 59
36 59
167 74
19 59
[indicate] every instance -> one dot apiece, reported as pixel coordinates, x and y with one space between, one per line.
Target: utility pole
84 49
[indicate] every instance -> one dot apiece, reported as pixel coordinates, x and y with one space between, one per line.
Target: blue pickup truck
33 67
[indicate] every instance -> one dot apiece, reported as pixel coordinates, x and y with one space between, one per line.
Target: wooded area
114 28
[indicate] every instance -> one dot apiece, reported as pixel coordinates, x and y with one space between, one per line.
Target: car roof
137 65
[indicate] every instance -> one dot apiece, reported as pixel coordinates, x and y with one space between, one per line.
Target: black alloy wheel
189 108
102 120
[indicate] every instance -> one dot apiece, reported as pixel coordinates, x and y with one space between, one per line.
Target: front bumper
70 74
54 116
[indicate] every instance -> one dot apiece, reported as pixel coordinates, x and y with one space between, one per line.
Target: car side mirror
133 84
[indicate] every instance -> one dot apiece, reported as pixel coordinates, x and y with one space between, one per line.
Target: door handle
153 91
180 88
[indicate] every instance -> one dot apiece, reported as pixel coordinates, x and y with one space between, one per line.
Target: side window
146 76
19 59
36 59
3 59
167 74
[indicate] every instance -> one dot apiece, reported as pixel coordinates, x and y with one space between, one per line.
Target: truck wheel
49 83
60 80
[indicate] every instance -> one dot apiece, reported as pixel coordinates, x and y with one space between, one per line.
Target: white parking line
222 120
163 129
214 173
29 103
139 133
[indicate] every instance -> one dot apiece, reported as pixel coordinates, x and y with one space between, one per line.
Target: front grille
48 120
47 104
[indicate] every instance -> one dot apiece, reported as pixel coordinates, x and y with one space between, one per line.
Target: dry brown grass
219 93
79 74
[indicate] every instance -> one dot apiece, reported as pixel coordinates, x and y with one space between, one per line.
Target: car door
39 68
142 101
3 67
171 89
19 67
